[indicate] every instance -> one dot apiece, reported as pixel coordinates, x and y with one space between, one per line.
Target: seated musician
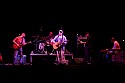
49 37
116 44
48 47
115 49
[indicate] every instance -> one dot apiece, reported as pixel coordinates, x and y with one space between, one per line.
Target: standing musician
19 42
87 43
60 42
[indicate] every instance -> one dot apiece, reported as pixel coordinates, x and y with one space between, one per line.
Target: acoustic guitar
15 46
56 45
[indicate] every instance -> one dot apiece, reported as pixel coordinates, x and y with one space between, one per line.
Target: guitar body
56 45
16 46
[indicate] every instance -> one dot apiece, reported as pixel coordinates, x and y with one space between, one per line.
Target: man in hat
60 42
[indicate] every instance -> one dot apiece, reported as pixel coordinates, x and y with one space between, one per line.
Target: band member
87 44
116 44
87 47
19 41
60 42
48 47
49 37
115 50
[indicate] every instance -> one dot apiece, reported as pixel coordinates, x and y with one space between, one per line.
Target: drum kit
43 46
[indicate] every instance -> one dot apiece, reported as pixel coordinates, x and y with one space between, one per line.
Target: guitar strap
57 39
62 40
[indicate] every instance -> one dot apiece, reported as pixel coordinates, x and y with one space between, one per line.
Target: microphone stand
77 46
60 48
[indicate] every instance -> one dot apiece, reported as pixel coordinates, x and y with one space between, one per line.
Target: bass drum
48 48
41 46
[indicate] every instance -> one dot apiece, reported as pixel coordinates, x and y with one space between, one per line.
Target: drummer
49 37
48 46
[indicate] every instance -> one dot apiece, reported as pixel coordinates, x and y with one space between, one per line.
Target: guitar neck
26 43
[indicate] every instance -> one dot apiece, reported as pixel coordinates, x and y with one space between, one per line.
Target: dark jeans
18 55
87 54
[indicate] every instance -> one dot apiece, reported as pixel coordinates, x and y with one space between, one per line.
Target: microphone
77 35
77 38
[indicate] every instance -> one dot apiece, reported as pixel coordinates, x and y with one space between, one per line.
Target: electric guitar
56 45
17 46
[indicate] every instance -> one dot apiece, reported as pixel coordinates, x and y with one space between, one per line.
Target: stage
67 73
77 72
27 71
42 68
50 58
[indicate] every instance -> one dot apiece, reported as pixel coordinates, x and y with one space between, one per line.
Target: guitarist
60 42
19 41
86 42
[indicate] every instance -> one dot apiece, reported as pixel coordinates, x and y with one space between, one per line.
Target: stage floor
69 72
74 71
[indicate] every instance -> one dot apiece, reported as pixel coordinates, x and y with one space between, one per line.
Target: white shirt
61 39
116 45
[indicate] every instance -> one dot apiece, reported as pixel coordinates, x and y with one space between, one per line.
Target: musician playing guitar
49 37
19 42
60 42
86 40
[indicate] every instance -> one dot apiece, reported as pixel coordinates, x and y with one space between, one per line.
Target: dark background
102 21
